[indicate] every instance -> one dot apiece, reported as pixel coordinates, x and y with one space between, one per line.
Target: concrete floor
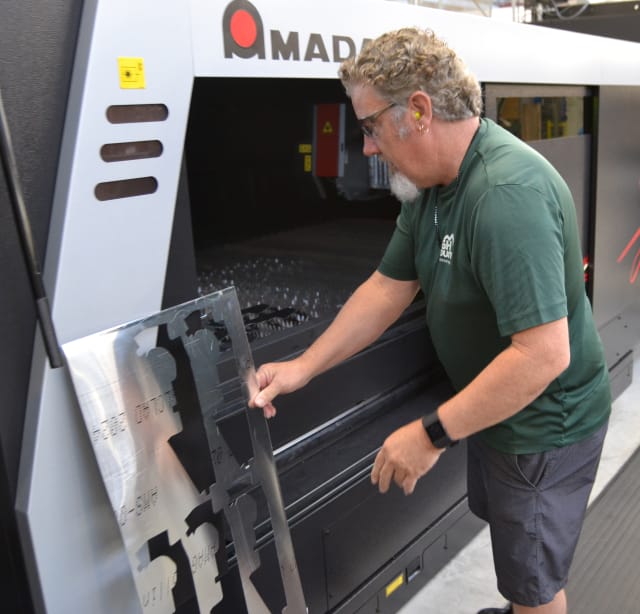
468 583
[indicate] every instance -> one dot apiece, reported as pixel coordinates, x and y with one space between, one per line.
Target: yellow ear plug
418 115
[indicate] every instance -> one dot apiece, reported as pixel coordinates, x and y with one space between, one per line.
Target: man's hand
276 378
406 455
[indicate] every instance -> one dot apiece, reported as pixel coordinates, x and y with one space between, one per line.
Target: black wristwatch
435 431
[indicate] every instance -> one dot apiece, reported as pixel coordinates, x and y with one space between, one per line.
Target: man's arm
511 381
372 308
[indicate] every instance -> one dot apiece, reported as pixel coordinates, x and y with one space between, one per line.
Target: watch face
436 432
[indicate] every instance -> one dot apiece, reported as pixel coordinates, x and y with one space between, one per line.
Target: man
488 231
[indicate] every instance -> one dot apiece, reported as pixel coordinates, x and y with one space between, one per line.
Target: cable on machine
23 225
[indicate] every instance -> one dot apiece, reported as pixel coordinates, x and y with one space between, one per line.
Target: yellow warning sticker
307 164
131 72
304 148
395 585
327 128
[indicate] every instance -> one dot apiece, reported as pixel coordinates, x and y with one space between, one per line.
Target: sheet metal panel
148 391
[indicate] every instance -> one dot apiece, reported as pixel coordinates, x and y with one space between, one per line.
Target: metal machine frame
111 222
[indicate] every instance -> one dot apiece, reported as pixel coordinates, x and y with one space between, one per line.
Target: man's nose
370 147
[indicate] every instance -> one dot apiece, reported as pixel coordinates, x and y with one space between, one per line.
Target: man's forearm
515 378
377 303
372 308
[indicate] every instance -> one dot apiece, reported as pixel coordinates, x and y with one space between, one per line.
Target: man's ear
419 104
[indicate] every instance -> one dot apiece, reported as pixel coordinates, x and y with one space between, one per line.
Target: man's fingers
262 399
383 472
386 473
269 410
399 477
409 485
405 481
377 465
404 458
265 396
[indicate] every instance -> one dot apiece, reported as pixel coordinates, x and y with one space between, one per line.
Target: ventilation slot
124 188
134 113
133 150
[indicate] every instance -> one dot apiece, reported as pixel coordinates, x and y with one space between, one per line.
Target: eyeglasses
367 124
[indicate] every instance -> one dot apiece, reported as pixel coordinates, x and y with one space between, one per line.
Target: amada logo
242 30
244 37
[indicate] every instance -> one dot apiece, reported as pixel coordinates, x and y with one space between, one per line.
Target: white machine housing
106 260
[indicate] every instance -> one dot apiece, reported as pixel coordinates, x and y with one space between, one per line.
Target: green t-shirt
504 255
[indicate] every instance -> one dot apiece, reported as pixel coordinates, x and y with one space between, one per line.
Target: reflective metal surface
151 393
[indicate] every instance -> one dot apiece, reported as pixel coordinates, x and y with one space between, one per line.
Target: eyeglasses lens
367 124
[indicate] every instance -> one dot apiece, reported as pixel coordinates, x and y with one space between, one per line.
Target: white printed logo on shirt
446 249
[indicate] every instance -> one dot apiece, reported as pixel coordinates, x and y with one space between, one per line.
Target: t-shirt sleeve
398 261
517 255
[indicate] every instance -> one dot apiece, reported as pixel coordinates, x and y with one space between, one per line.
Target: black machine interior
284 238
295 246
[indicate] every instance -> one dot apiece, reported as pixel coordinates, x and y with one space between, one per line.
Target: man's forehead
365 99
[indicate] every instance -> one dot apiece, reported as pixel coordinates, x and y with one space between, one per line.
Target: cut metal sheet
151 393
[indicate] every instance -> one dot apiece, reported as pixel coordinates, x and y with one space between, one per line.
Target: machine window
542 117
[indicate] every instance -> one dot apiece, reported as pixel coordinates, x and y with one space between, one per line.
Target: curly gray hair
401 62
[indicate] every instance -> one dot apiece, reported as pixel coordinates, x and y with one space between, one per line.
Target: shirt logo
446 249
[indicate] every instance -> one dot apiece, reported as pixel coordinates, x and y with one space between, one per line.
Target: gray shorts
535 506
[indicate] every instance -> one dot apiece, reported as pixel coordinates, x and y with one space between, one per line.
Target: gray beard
402 188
